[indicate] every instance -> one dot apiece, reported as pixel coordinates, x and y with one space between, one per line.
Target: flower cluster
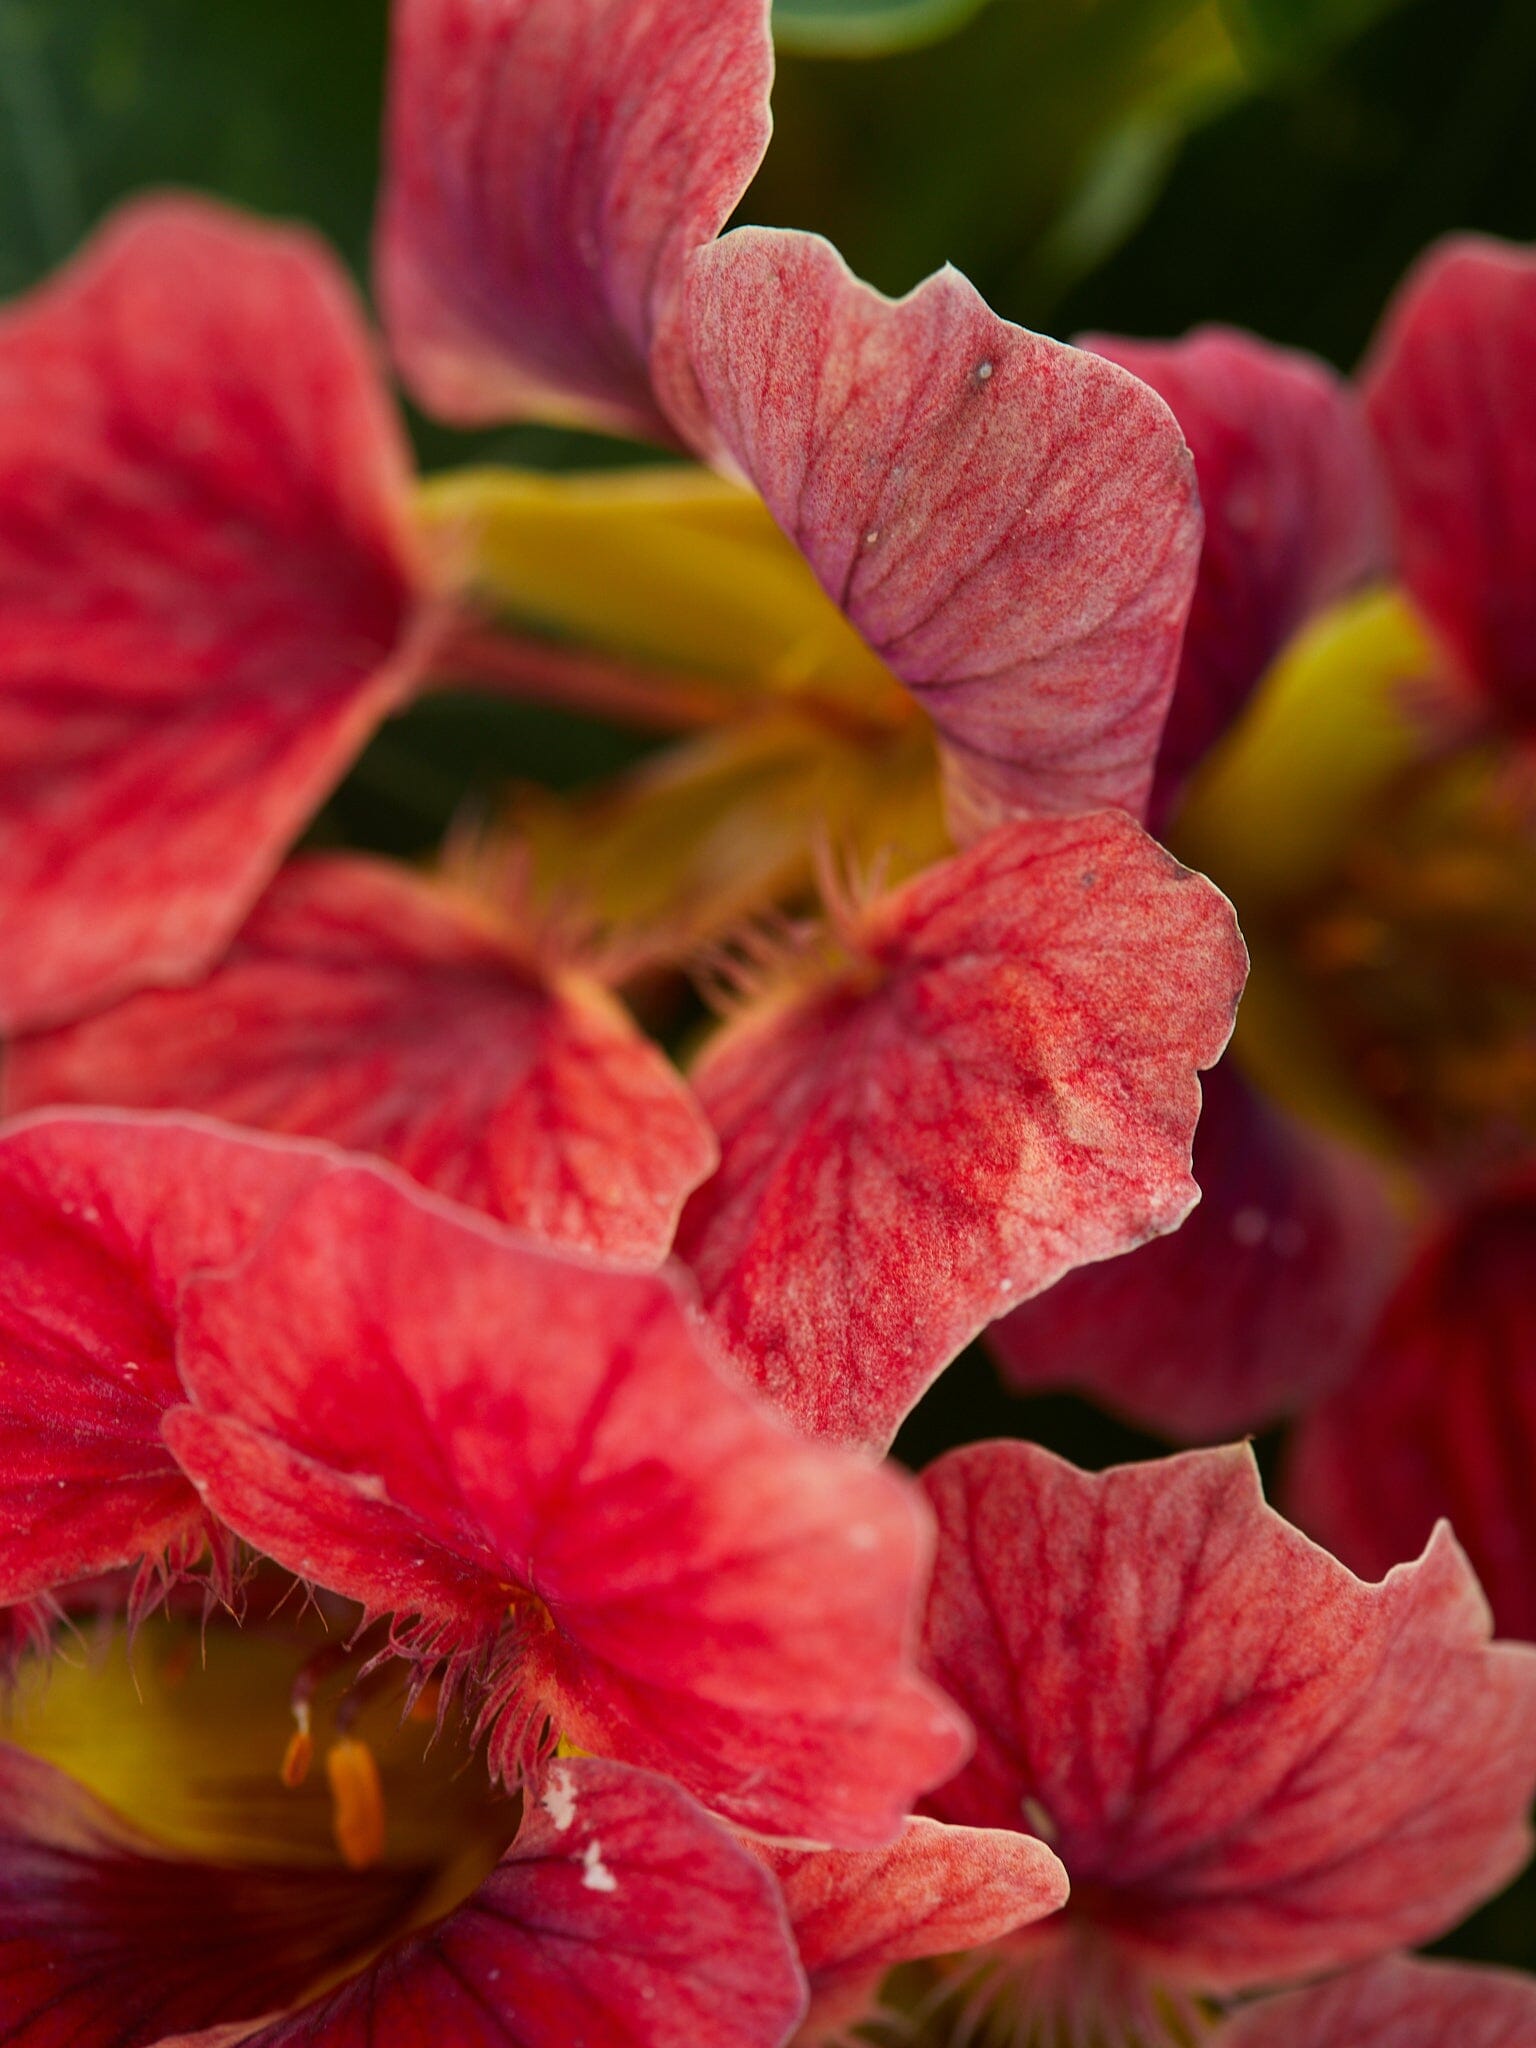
450 1585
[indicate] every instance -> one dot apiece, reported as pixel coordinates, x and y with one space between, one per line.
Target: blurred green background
1134 165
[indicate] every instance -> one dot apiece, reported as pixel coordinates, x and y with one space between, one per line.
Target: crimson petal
1252 1765
1440 1418
1293 515
1396 2003
1449 393
1004 1086
103 1220
363 1005
420 1413
550 166
109 1941
1254 1307
1009 522
206 591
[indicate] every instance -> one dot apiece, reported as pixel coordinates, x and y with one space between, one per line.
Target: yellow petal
1273 810
672 568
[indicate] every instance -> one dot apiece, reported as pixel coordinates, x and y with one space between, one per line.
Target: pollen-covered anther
357 1802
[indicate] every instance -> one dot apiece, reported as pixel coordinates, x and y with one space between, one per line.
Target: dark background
1134 165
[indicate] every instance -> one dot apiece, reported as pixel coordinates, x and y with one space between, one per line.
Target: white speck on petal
595 1874
1250 1227
558 1799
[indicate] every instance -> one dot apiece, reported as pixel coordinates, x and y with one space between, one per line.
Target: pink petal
418 1412
1293 515
1449 393
550 166
1002 1087
1396 2003
205 591
1252 1765
935 1889
109 1941
1253 1308
363 1005
635 1923
1009 522
1441 1417
102 1221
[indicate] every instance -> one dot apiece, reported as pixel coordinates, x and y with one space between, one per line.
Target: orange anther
297 1758
357 1802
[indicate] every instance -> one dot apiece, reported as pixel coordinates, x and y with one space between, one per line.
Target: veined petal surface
420 1413
103 1221
364 1005
1293 515
1449 393
1253 1765
1002 1086
550 166
208 594
1009 522
1399 2002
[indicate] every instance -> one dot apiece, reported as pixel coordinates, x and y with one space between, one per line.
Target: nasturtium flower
1397 2003
530 1466
1253 1766
955 590
1366 804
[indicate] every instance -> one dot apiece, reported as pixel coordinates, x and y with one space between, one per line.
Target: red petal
934 1890
204 591
550 166
1396 2003
108 1941
361 1004
1252 1765
1009 522
1450 395
1293 515
102 1221
421 1414
637 1924
1003 1089
1256 1306
1441 1417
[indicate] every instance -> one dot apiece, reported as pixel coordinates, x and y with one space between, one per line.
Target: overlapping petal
549 170
1396 2003
1293 515
624 1917
1449 394
935 1889
108 1940
103 1221
1010 523
367 1006
207 592
1440 1418
419 1413
1256 1306
1000 1087
1252 1765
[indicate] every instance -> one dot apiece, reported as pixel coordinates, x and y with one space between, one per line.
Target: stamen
300 1753
357 1802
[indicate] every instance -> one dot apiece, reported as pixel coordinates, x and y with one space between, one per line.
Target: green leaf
866 28
1291 32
